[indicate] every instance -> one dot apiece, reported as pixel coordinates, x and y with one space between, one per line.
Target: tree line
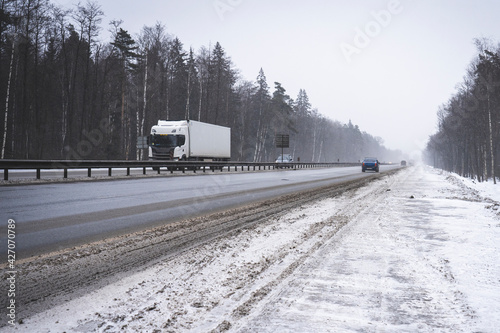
67 95
467 140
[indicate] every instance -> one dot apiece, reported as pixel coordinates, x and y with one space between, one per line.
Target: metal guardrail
65 165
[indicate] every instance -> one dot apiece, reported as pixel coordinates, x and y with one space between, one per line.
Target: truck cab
169 140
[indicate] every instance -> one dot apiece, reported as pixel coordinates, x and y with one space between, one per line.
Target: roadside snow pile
485 190
416 251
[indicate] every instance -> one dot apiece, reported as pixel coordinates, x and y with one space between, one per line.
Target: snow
415 252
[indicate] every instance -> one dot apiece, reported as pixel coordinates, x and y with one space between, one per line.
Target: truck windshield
164 141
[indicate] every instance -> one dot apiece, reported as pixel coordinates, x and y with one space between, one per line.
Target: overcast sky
386 65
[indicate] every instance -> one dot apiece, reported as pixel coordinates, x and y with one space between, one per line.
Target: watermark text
224 6
11 273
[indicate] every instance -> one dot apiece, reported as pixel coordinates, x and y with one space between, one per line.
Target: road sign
282 140
142 142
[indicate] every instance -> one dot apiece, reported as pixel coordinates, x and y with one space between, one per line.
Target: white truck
189 140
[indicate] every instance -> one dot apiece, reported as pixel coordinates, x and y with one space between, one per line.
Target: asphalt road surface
55 216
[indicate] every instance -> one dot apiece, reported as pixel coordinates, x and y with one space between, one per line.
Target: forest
467 140
65 94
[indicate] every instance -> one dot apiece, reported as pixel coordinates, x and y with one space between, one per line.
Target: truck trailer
189 140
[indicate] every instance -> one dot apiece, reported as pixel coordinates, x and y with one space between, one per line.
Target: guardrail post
109 172
128 171
144 170
38 174
89 172
65 173
5 174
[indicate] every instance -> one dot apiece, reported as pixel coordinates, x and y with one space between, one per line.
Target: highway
55 216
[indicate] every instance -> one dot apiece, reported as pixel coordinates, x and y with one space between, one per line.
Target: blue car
370 163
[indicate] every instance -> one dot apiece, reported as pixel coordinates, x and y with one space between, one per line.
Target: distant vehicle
370 163
285 158
189 140
403 163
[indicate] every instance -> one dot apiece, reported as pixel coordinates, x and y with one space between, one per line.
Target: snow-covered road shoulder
424 259
415 251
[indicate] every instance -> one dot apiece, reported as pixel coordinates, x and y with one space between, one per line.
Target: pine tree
192 83
262 99
302 104
221 81
282 110
125 48
178 79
